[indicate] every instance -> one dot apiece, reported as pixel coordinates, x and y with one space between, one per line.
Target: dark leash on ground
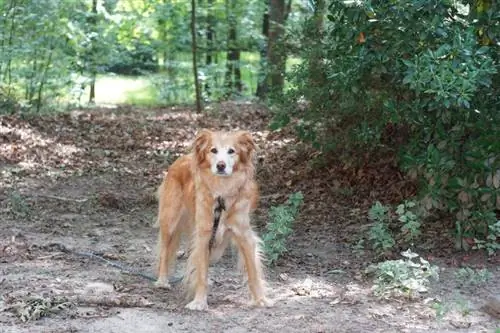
126 269
220 206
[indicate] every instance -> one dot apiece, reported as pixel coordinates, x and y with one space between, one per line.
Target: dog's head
223 152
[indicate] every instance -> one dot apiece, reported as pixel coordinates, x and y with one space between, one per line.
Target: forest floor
85 181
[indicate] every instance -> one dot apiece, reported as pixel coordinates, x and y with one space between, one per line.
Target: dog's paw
262 302
162 284
197 305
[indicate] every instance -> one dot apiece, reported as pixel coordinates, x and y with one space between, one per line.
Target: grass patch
175 85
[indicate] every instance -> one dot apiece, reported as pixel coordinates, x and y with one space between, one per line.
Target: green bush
428 67
280 227
407 276
380 234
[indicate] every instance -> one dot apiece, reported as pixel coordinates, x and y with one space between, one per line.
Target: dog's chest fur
227 188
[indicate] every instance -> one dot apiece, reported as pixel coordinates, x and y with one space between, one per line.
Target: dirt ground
85 181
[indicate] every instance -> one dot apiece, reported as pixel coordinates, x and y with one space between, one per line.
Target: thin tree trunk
163 37
194 54
233 54
2 45
276 60
262 87
237 72
210 44
317 75
94 70
231 59
30 89
8 69
44 79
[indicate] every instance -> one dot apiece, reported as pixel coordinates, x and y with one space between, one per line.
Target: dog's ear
201 143
247 145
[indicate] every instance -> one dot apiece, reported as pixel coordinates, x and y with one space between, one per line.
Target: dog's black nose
221 166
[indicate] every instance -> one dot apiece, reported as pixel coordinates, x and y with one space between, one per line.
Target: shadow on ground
86 181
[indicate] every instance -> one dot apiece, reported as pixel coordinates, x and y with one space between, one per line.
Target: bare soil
85 181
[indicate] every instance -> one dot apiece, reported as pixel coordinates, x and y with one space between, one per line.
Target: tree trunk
276 53
93 65
317 75
8 69
262 84
210 44
237 72
194 55
43 79
231 59
275 57
233 55
163 36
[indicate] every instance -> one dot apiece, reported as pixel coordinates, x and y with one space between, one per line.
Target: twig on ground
55 197
130 301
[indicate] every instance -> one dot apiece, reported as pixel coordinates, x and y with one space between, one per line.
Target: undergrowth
404 277
279 228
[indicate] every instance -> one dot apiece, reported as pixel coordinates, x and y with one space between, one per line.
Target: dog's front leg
249 249
199 258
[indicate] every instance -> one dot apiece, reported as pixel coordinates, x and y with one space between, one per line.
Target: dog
209 195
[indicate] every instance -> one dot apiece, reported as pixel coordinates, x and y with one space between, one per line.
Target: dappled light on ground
92 188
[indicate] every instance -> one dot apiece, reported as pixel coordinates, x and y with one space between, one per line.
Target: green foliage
470 277
381 237
18 205
492 242
429 67
441 309
411 222
52 50
407 276
280 227
379 234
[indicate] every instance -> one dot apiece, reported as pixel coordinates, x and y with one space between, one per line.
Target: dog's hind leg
170 218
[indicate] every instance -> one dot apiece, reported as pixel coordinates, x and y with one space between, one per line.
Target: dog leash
131 271
221 206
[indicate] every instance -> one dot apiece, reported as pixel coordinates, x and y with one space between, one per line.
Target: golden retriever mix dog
209 195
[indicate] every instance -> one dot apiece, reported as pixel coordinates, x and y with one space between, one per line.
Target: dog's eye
213 150
230 151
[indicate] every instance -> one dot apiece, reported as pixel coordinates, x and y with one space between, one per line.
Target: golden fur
187 198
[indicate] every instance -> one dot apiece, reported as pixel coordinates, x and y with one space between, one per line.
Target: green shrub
492 241
280 227
379 234
407 276
470 277
411 221
428 67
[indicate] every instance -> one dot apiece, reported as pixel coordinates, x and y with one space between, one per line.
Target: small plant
18 205
441 309
410 220
404 276
379 234
471 277
491 244
280 227
359 248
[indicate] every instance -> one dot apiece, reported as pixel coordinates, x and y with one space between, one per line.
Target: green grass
163 89
119 89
